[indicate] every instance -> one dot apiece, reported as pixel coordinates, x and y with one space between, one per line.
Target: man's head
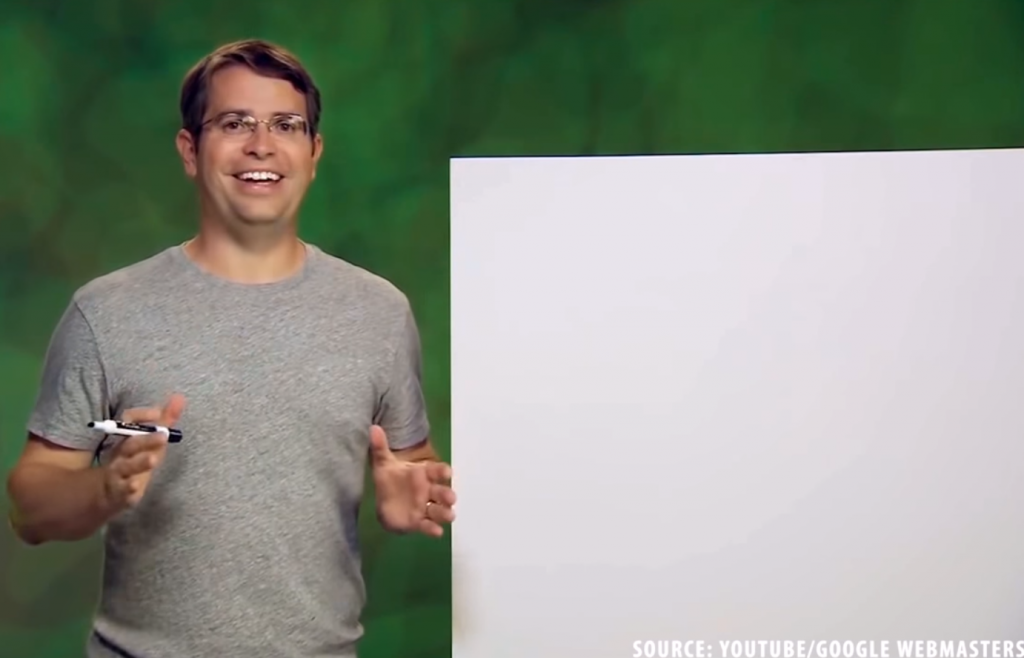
250 117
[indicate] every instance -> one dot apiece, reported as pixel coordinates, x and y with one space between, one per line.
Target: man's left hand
411 496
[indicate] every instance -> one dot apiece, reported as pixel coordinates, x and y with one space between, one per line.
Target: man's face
251 178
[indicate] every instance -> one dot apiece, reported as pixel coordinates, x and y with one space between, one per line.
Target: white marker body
112 427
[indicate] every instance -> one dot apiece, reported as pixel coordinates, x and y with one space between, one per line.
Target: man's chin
251 217
262 220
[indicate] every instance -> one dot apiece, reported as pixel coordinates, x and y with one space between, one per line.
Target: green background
91 182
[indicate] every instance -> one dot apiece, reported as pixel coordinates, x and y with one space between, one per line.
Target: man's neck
253 263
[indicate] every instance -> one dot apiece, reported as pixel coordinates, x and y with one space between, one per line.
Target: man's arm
421 452
402 409
55 494
409 498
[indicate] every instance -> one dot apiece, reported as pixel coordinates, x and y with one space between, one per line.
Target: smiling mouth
262 178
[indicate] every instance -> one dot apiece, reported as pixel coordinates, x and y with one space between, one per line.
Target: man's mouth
259 178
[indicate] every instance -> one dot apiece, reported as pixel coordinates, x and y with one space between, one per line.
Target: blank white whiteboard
737 398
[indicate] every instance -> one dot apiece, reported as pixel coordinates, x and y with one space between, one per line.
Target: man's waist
108 640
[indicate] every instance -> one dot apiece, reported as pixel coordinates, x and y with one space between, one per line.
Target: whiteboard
745 397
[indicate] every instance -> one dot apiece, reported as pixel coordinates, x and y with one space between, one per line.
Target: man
284 368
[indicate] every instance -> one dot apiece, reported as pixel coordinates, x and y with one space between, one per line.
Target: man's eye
232 125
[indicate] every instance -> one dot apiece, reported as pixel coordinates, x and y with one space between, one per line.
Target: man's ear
186 146
318 149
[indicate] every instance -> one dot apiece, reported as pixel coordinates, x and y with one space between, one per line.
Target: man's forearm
50 503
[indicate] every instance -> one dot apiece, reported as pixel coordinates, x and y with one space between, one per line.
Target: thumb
172 410
380 451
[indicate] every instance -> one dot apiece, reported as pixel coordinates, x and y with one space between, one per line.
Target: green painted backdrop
90 180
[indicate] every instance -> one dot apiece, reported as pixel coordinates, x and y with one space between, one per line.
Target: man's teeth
259 176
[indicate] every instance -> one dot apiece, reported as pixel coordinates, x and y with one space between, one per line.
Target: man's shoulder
126 284
359 282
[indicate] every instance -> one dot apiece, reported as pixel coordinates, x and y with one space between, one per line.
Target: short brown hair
260 56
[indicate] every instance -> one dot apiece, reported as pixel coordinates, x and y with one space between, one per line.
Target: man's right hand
127 474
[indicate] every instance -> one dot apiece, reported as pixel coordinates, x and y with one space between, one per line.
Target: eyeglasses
285 126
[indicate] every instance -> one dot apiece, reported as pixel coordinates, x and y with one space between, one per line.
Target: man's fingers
128 467
142 415
129 485
442 495
430 528
128 477
440 513
380 452
168 416
439 472
121 489
117 490
135 445
172 411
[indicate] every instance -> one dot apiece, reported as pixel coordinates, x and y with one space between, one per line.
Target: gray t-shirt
245 544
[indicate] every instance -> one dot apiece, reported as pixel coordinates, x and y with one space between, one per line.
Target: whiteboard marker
133 429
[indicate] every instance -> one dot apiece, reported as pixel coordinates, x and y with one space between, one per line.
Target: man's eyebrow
229 112
244 112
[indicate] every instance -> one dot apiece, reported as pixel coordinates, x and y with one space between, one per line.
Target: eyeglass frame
252 123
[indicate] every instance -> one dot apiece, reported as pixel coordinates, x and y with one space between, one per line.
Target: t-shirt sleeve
73 388
402 412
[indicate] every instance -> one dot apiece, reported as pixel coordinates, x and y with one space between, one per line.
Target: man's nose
260 143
